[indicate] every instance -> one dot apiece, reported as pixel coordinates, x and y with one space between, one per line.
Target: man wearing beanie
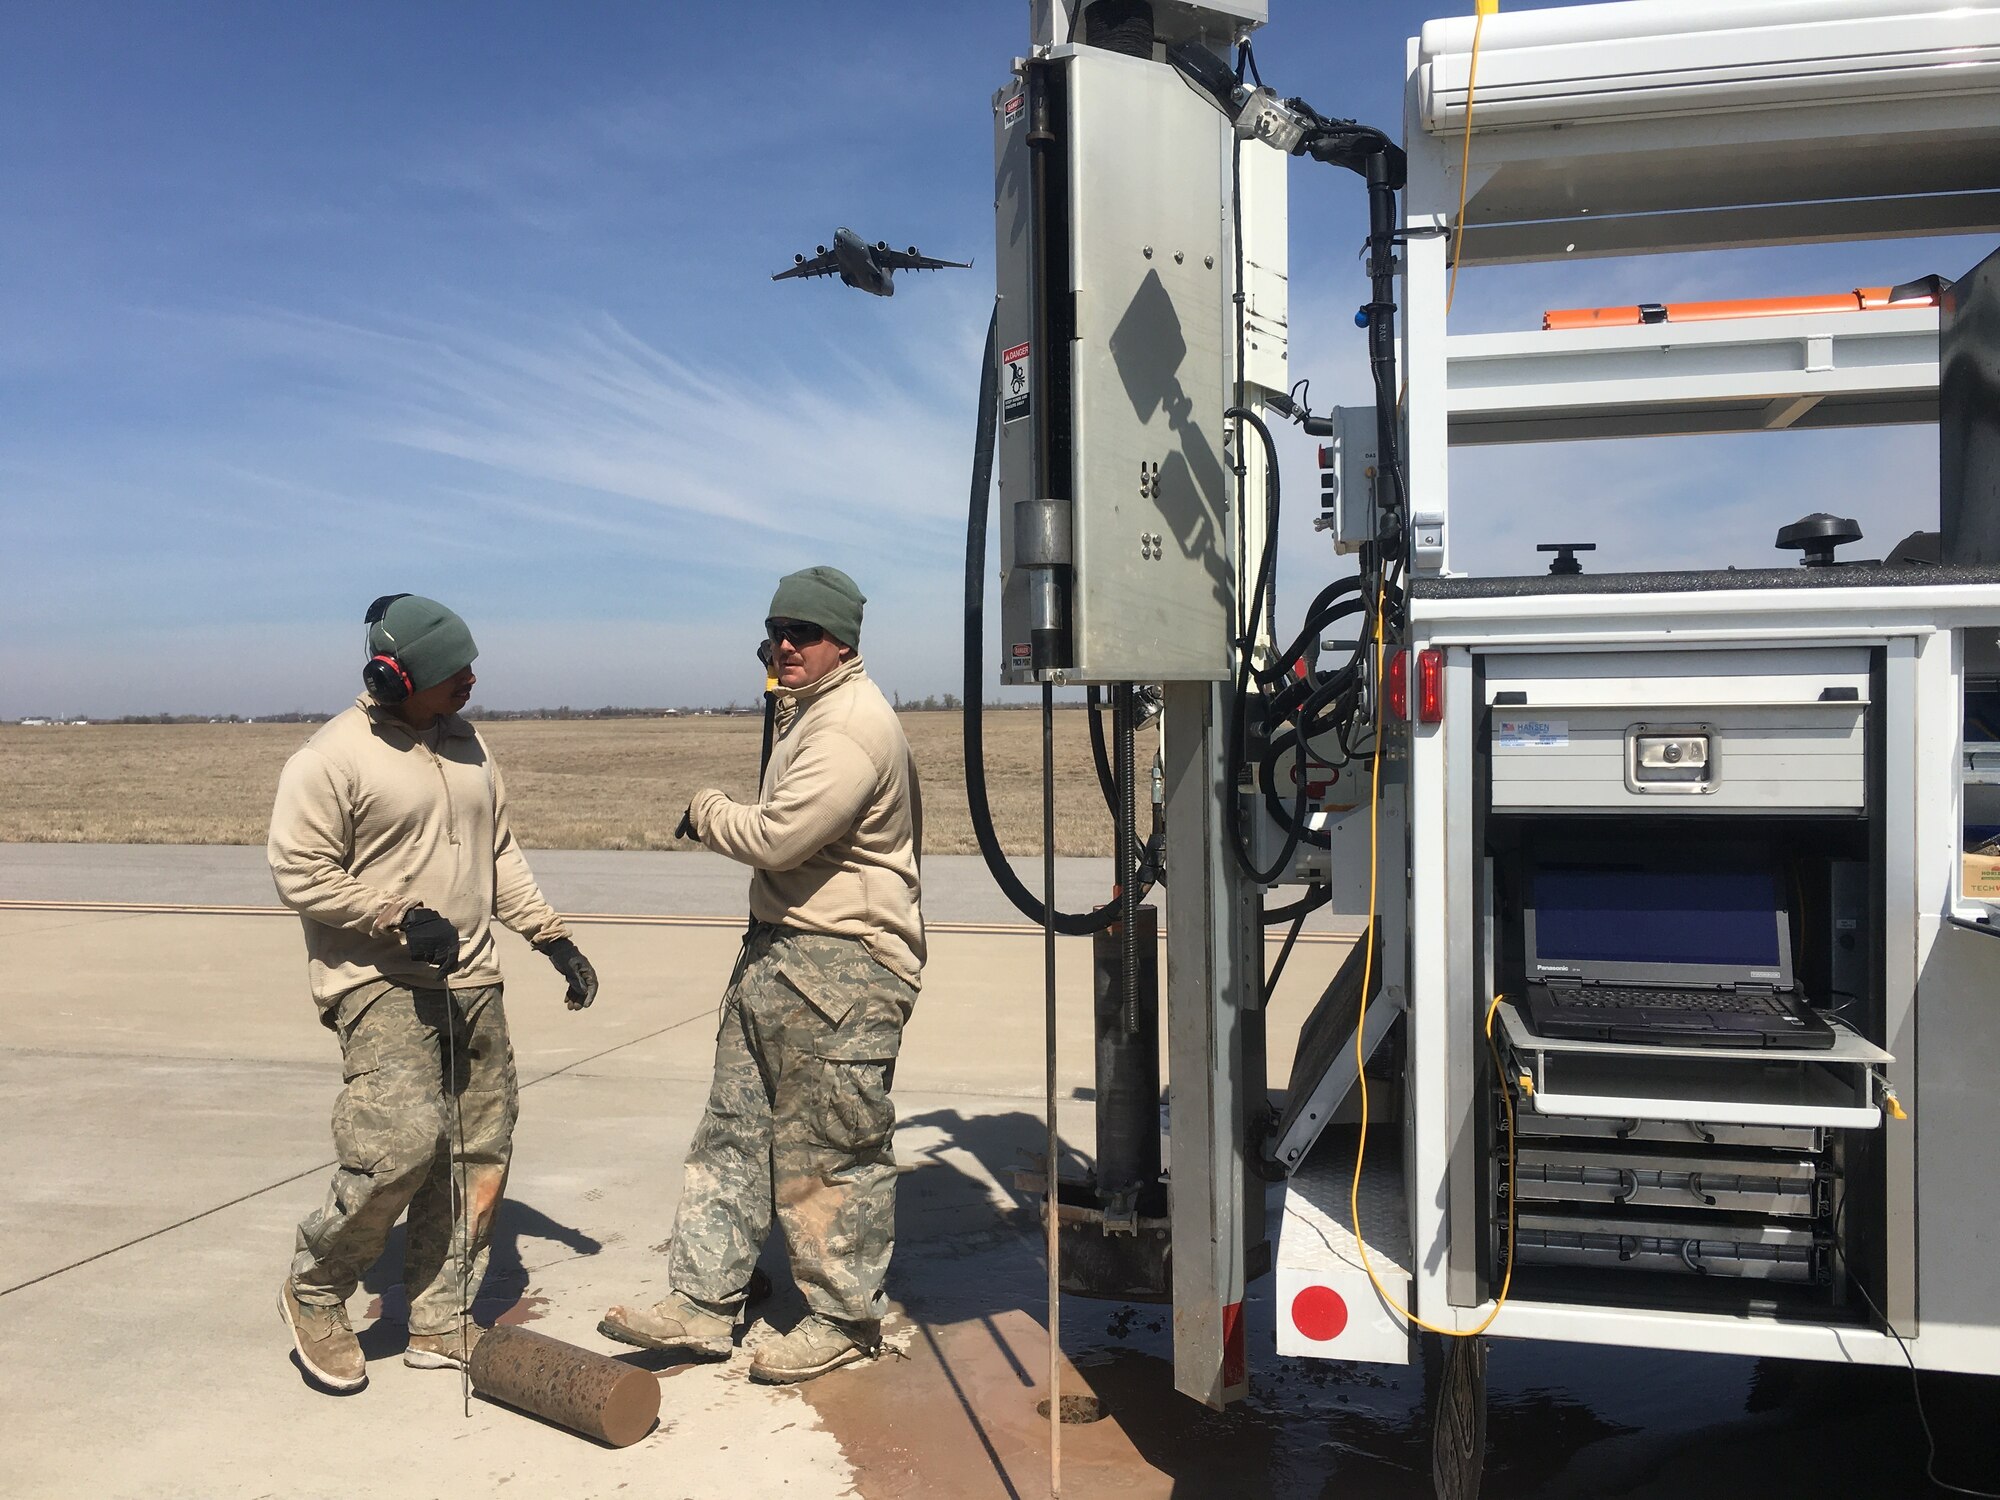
799 1113
390 840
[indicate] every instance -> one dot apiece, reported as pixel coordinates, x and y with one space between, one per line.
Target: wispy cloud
563 417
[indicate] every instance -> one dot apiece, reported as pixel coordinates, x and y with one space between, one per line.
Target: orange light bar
1861 299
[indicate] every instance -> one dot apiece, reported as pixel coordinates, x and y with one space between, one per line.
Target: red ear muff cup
386 679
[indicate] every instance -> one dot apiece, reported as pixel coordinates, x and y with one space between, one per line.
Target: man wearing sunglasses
799 1115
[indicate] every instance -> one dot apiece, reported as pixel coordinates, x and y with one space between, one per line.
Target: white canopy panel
1681 124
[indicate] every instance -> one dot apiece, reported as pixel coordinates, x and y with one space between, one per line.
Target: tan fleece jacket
834 836
373 818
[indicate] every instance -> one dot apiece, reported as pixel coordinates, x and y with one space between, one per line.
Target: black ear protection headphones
384 675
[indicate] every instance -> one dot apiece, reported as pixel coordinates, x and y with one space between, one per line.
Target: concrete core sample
585 1392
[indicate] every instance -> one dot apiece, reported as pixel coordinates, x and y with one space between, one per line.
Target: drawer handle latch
1670 758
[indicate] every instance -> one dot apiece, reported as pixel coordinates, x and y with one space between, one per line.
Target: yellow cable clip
1894 1105
1486 7
1527 1084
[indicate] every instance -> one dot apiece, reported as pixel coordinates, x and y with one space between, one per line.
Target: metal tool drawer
1764 1252
1841 1086
1806 1140
1678 731
1556 1173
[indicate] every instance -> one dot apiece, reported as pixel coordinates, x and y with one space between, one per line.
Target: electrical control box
1348 460
1115 339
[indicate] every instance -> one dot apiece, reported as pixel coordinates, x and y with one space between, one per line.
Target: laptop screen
1627 917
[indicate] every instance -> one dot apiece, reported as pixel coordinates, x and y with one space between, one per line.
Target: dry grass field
573 784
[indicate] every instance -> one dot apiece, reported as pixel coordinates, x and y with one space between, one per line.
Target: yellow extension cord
1482 9
1360 1056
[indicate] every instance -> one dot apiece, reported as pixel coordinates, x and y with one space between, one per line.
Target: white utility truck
1680 1012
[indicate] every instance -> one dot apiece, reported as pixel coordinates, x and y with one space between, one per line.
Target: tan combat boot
678 1325
450 1350
817 1345
327 1346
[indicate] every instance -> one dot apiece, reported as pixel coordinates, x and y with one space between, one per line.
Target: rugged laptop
1681 955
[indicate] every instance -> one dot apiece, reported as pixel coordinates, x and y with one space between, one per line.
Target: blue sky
303 304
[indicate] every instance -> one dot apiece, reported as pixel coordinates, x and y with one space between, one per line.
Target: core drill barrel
1128 1058
579 1389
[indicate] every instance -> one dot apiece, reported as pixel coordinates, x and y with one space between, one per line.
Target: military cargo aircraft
870 268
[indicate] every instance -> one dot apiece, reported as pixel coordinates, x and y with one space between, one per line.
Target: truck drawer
1678 731
1806 1140
1785 1187
1759 1252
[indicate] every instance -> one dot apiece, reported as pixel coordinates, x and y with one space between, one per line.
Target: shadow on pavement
500 1298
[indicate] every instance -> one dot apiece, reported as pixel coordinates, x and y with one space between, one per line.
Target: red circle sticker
1319 1312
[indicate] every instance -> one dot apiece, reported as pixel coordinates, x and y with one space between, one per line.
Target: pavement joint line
594 918
203 1059
269 1187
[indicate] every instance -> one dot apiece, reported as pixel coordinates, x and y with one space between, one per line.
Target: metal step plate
1327 1306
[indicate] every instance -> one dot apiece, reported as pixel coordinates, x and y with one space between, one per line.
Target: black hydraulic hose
1098 755
1231 803
1319 838
1322 612
1383 171
1308 696
1312 714
1071 924
1311 901
1284 954
1305 645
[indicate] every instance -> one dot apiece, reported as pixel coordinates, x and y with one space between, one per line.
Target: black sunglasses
798 632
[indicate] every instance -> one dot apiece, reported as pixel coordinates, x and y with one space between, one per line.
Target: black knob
1816 536
1565 561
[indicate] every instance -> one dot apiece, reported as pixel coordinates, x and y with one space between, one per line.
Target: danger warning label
1011 111
1016 383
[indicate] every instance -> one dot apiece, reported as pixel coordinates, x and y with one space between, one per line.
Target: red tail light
1430 686
1399 685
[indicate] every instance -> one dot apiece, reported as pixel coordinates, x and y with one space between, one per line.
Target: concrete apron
164 1088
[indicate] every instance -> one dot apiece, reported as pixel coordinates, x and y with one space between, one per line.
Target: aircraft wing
824 264
909 260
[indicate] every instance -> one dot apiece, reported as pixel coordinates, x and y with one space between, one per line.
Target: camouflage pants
393 1128
799 1117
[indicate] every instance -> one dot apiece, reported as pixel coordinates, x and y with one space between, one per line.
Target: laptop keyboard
1596 997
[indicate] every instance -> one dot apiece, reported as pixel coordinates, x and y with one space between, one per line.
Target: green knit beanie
429 640
826 597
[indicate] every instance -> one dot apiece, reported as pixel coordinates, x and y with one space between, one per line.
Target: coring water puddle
954 1415
965 1414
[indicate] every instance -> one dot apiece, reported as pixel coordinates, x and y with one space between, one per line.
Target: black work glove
685 828
431 939
573 966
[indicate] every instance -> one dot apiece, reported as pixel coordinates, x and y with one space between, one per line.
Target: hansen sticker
1530 734
1016 383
